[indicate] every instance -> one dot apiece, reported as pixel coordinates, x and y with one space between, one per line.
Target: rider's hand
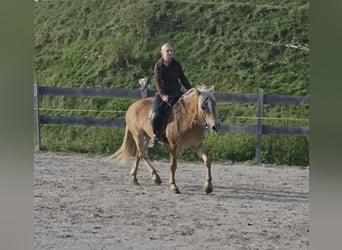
165 98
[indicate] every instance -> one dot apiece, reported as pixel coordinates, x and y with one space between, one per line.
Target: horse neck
189 109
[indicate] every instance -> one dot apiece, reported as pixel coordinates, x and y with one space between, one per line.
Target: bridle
195 121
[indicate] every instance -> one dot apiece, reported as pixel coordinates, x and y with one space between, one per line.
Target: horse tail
126 149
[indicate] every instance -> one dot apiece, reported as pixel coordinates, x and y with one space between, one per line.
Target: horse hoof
156 179
174 189
135 181
208 188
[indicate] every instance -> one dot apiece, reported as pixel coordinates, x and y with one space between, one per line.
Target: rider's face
167 53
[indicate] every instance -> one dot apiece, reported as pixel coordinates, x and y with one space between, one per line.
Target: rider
168 75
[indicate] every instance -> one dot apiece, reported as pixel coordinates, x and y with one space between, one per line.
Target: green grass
234 45
237 46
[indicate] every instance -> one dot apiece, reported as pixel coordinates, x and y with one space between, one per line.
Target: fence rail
258 99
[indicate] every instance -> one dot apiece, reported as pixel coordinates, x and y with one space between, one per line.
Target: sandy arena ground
83 202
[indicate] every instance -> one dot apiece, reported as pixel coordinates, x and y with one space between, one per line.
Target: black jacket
168 78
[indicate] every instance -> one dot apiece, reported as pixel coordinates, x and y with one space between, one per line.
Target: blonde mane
205 94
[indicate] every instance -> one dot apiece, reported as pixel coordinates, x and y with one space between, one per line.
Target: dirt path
83 202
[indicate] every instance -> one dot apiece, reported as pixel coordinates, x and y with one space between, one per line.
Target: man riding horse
168 75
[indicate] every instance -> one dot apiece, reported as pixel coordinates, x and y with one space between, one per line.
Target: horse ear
198 92
211 89
189 91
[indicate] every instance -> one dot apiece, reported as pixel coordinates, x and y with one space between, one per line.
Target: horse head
207 108
204 112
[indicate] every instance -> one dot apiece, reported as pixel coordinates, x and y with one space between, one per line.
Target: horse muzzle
215 127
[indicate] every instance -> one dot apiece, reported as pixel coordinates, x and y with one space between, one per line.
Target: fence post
36 114
144 85
259 126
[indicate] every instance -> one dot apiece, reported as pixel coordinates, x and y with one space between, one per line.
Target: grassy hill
236 45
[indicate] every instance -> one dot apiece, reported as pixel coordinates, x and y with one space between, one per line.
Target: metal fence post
259 126
36 114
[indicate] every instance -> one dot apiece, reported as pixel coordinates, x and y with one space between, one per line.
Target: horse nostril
216 127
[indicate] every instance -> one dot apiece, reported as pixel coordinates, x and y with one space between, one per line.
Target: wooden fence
259 99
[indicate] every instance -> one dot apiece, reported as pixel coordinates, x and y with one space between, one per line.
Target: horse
190 115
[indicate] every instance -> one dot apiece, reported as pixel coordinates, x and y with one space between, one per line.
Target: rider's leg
156 119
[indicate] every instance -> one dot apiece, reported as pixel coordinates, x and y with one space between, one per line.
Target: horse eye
203 106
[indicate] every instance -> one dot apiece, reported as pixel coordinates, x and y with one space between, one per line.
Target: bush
282 150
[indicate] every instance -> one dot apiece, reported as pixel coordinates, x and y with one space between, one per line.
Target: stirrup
153 142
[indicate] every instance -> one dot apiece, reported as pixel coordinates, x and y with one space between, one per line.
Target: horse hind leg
142 155
134 170
154 175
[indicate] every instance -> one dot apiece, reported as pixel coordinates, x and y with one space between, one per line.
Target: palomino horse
194 111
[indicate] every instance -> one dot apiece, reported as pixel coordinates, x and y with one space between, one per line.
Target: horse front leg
208 186
173 167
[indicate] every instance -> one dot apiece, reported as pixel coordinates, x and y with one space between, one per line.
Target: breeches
160 112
